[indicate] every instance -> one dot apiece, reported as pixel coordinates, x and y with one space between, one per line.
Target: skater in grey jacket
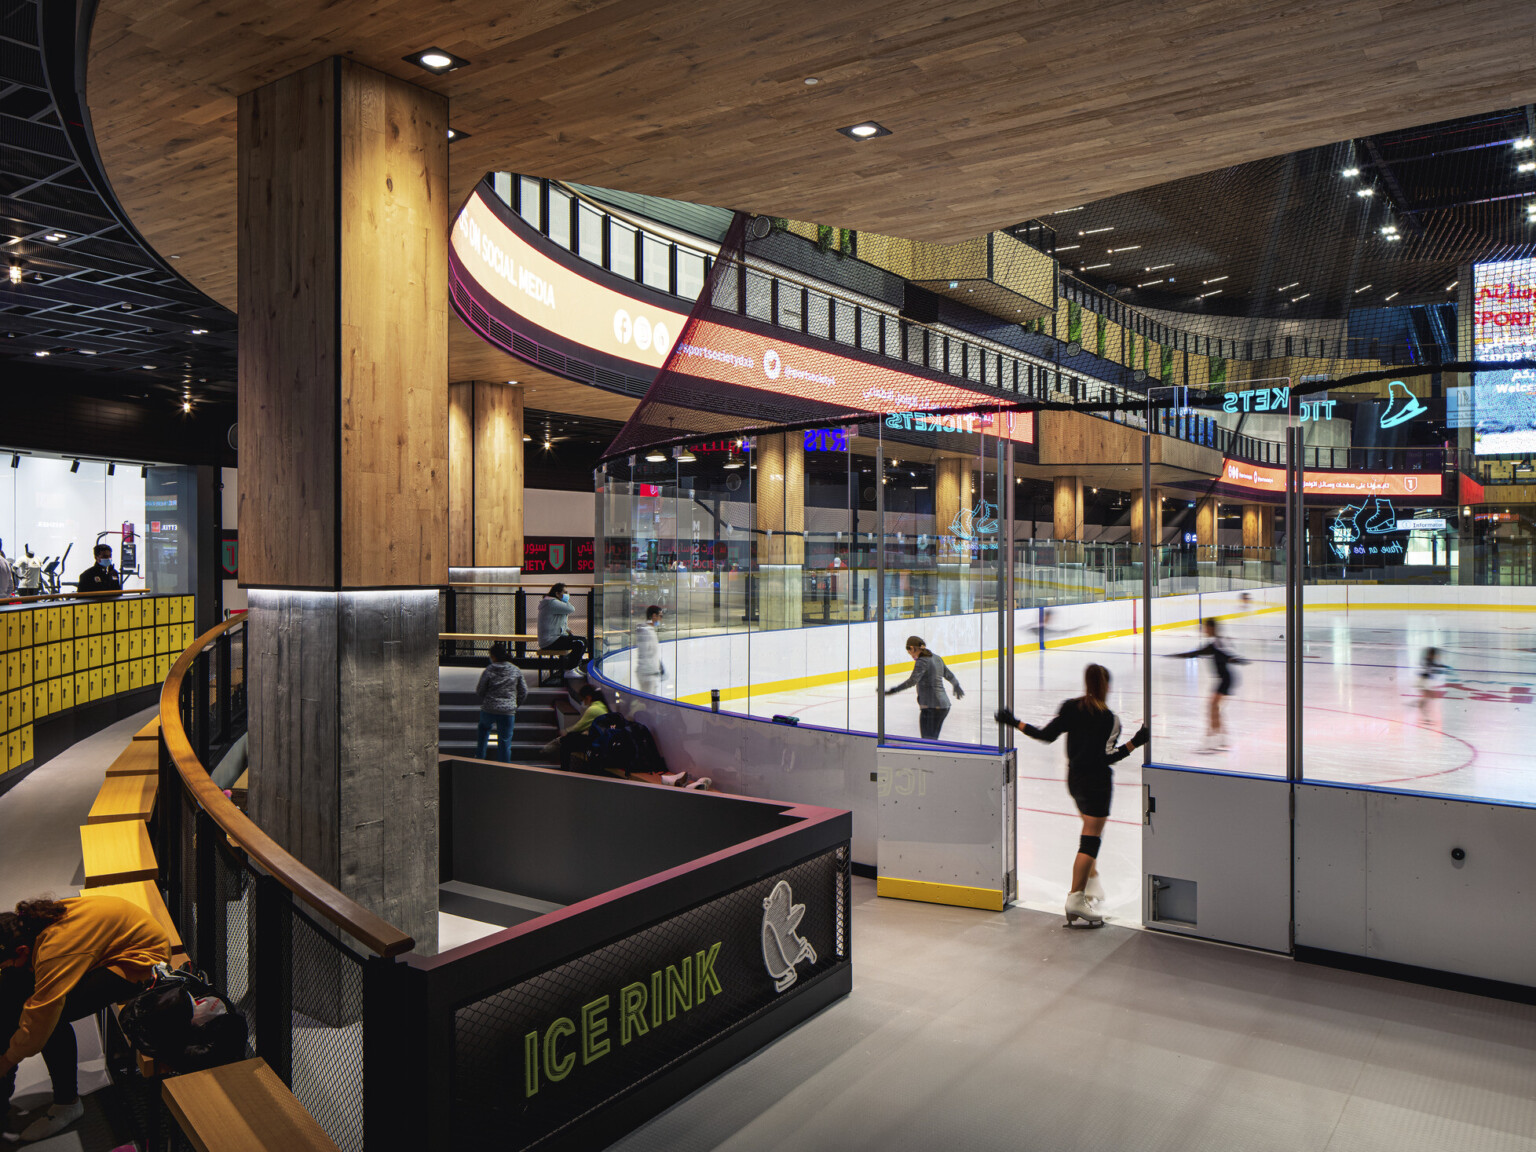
929 674
500 690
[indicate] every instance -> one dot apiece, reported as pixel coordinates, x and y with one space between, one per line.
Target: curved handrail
330 902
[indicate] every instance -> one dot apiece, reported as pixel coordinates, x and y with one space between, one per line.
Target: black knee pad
1089 846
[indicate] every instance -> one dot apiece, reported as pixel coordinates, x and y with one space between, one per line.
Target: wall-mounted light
435 60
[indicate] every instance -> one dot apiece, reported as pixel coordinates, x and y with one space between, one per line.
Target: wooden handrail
330 902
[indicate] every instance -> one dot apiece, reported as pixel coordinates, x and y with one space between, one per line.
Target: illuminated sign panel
1239 474
1503 297
554 301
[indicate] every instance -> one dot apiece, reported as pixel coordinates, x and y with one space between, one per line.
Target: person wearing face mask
555 628
101 576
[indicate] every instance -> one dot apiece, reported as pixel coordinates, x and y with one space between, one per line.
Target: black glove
1004 716
1143 734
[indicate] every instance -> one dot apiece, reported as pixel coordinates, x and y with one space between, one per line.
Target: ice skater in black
1093 744
1222 659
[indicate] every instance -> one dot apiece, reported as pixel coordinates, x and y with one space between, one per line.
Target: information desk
654 937
60 654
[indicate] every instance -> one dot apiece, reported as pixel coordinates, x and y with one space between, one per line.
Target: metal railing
502 609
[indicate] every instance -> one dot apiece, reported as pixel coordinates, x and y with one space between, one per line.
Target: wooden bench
145 895
117 853
124 798
150 731
140 758
242 1107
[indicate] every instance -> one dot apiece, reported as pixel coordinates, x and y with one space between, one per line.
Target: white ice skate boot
1094 889
1079 907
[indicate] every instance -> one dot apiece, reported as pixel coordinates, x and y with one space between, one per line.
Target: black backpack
183 1022
612 749
648 757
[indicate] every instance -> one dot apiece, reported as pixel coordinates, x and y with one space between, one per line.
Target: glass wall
58 509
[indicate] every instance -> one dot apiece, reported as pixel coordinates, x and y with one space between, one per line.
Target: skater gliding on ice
1222 659
1093 734
929 674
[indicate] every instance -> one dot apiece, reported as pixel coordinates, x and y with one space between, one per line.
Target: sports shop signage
1241 477
547 1050
550 297
556 555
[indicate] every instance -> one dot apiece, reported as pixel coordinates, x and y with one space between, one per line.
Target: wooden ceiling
1000 111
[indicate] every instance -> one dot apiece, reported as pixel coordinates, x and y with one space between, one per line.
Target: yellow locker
26 745
82 682
66 692
28 658
93 684
82 620
5 678
93 652
120 647
13 669
23 630
187 615
40 625
135 643
24 713
66 623
188 634
119 615
172 611
66 657
121 677
82 653
5 750
55 658
40 700
13 742
8 629
135 673
163 638
162 667
163 609
55 617
55 695
138 613
13 709
93 618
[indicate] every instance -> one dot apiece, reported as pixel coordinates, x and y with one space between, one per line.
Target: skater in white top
648 665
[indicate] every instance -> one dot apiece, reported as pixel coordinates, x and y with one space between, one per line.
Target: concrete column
344 500
1138 521
1258 530
781 529
1207 528
1068 508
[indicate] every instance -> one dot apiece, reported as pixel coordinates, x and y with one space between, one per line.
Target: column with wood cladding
780 481
485 537
344 473
1138 521
1068 509
1207 528
1258 531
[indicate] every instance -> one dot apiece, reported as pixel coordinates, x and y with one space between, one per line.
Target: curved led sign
535 289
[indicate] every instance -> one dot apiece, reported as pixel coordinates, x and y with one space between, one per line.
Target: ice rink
1366 719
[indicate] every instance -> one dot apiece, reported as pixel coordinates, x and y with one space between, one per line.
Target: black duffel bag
183 1022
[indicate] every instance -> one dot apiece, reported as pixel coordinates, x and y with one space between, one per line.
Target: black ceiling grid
83 302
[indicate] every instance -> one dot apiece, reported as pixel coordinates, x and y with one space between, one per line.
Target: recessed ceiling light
1350 172
87 352
1394 294
1284 287
1068 247
1124 248
1362 288
1365 192
55 237
867 130
186 405
42 352
813 80
1156 267
1091 231
1524 142
1303 296
199 331
1091 267
1148 283
147 367
1216 279
1212 292
454 135
1526 166
1452 284
435 60
126 307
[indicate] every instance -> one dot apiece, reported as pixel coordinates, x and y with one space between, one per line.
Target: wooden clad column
485 457
1068 509
1258 531
780 480
1207 528
343 239
1138 516
952 497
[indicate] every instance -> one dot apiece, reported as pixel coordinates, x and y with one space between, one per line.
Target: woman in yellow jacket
61 961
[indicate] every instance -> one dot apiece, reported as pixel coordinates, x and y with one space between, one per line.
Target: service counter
654 936
71 665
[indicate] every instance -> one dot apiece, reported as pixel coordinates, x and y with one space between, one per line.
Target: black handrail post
272 976
520 612
223 685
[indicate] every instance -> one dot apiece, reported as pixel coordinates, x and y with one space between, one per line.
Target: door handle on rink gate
1148 804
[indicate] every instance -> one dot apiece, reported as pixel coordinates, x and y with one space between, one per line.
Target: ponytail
917 642
1096 683
21 928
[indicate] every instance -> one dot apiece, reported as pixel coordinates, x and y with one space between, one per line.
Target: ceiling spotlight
1216 279
454 135
1394 294
1212 292
868 130
656 456
1365 192
42 352
126 307
812 81
15 460
435 60
1285 287
75 467
1362 288
1350 172
186 405
55 237
548 443
15 273
1303 296
199 331
1526 166
111 468
1524 142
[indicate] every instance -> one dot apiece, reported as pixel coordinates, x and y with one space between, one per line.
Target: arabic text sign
1258 478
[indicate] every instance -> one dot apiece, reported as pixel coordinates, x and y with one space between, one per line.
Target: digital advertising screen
1503 295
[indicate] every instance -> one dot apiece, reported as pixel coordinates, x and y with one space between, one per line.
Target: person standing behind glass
929 674
101 576
500 690
648 665
555 627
